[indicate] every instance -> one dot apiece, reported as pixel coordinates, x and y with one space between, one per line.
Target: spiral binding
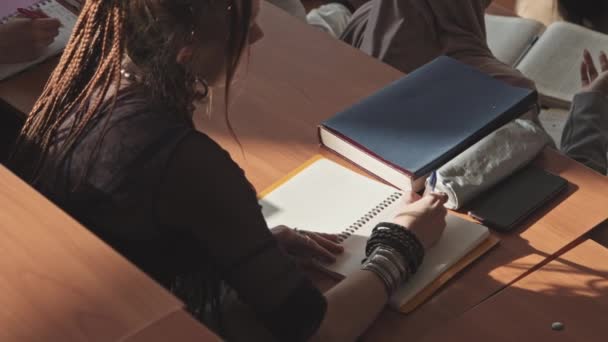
35 6
352 229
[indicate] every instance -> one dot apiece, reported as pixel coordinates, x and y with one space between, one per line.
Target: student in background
592 14
24 40
407 34
331 17
585 136
21 40
112 142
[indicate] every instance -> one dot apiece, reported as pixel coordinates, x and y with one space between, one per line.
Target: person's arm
206 193
354 303
23 40
585 136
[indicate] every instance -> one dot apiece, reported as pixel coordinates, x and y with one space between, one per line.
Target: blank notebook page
554 62
509 37
326 197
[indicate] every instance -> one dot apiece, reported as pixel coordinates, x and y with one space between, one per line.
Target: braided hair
150 33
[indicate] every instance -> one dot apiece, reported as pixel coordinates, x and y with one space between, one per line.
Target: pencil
31 14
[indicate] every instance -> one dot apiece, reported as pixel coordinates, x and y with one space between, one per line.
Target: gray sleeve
293 7
585 137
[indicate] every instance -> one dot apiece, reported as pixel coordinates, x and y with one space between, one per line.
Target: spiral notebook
322 196
52 9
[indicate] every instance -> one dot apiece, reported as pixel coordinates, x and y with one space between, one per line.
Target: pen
433 180
31 14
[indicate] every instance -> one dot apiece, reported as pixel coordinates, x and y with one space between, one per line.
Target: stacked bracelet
387 264
393 253
400 239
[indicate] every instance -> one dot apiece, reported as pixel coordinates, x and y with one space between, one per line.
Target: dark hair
151 32
581 11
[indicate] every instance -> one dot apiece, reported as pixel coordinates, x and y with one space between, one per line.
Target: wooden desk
21 91
58 282
178 326
298 77
572 289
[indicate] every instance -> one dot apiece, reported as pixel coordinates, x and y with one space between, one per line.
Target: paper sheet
510 37
326 197
554 62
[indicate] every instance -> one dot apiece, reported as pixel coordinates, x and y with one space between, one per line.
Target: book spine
392 175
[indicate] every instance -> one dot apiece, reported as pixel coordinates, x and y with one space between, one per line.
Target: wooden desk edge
176 326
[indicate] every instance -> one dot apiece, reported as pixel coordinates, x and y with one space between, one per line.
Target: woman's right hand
425 217
23 40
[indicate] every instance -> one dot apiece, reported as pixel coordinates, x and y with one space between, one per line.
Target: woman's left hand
308 245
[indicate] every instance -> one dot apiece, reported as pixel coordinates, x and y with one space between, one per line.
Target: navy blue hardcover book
420 122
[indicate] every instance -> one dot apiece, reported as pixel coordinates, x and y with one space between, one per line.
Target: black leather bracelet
405 234
404 248
399 239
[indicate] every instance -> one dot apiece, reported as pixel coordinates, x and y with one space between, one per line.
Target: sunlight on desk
571 291
566 278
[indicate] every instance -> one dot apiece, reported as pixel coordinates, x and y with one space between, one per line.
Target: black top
11 123
173 202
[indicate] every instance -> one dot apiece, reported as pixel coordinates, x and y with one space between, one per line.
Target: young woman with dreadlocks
111 141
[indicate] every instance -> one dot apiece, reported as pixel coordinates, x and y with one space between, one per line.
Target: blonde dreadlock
97 38
92 60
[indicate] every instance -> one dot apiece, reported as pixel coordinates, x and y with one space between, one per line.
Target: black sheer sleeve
207 193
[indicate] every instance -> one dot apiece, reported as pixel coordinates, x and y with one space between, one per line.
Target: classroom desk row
565 300
296 78
59 282
276 115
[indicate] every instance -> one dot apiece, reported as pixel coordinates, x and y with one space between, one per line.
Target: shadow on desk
576 291
11 122
563 290
571 290
514 259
